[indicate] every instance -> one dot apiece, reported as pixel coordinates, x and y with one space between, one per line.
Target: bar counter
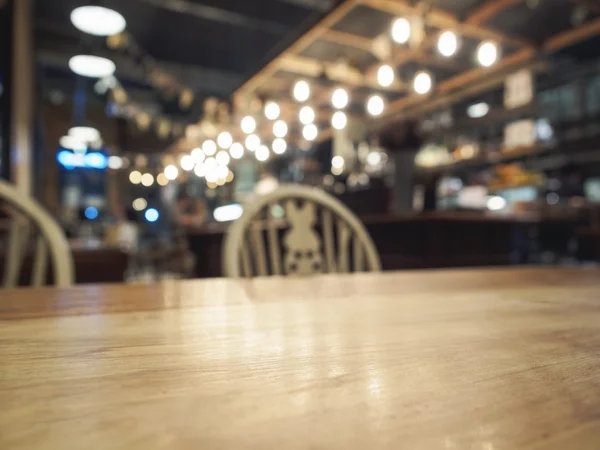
431 240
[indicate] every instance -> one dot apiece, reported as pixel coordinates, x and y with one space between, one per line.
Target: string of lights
258 128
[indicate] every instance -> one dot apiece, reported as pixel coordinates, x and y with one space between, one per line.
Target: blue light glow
91 213
65 158
151 215
92 160
95 160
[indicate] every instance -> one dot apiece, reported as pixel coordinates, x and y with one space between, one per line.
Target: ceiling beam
221 15
572 37
349 40
394 109
334 72
420 53
316 5
480 72
444 20
300 44
552 45
422 56
482 85
436 60
592 5
368 45
489 9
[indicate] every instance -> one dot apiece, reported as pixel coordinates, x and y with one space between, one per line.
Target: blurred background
461 132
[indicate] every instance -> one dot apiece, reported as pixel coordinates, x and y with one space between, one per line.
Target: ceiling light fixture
162 179
487 53
422 83
478 110
272 111
252 142
447 43
115 162
224 140
301 91
147 179
72 143
171 172
140 204
187 163
198 155
135 177
280 129
236 150
223 158
401 30
385 75
310 132
307 115
211 174
374 158
92 66
262 153
337 162
85 134
337 170
339 120
210 164
340 98
200 170
209 147
375 105
97 20
279 146
222 172
248 124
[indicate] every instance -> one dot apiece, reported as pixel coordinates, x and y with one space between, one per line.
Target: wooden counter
468 359
430 240
92 265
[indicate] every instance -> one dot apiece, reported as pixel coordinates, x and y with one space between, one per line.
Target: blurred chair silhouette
304 231
31 230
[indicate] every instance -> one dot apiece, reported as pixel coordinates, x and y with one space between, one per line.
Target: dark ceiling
212 45
209 46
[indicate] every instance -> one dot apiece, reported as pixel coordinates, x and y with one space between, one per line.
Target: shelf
497 115
497 157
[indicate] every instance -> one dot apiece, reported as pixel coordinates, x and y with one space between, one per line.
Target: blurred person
69 221
189 211
124 232
128 230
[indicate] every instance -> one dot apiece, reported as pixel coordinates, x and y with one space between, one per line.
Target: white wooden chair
304 231
27 222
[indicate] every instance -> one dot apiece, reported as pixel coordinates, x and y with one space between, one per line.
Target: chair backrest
25 222
303 230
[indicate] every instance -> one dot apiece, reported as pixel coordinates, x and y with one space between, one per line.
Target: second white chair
304 231
25 217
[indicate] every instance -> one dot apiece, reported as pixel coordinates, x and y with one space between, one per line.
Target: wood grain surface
464 359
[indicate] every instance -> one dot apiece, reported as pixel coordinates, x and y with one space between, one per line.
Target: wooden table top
464 359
